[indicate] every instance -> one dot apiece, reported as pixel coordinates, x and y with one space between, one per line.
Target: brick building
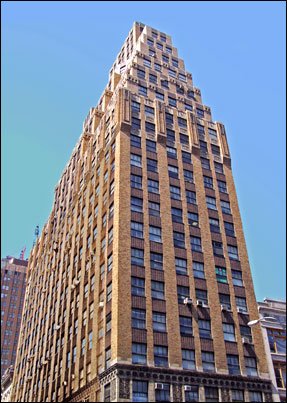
13 285
139 285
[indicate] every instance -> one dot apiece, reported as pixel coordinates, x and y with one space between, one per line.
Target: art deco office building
139 285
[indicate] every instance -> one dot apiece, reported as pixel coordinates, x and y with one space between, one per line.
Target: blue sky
55 62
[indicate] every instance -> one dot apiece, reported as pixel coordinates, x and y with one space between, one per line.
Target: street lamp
265 319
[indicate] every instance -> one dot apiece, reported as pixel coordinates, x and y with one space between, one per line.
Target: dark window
169 118
200 130
136 229
180 265
188 362
107 393
176 215
185 326
221 275
152 78
146 62
204 328
151 146
139 353
136 124
162 394
164 84
154 209
250 366
178 240
215 150
150 42
207 361
237 395
170 135
186 157
151 165
225 300
141 74
217 248
153 186
188 176
237 278
228 332
195 244
140 391
192 219
201 295
175 62
142 90
208 183
156 261
136 181
136 160
136 105
149 111
172 171
214 225
160 356
138 286
149 127
229 229
182 122
157 289
188 107
172 102
137 257
182 293
233 364
203 146
218 167
211 394
159 96
136 204
135 141
198 269
157 67
165 58
200 112
232 252
205 163
175 192
183 139
154 234
222 186
159 321
138 318
241 304
171 152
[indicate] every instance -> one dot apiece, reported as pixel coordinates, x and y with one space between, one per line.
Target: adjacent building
13 285
139 287
6 384
274 335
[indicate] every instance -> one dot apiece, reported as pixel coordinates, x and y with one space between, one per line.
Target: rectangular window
149 127
110 236
146 62
138 318
138 353
172 171
165 58
211 202
141 75
200 113
159 321
109 292
136 160
108 322
110 262
188 360
176 215
154 209
157 67
198 269
245 331
171 152
107 393
214 225
218 167
205 163
225 207
172 73
136 181
182 122
195 243
185 326
135 141
178 240
251 367
137 257
140 391
192 219
156 261
150 42
201 295
228 332
190 197
233 364
159 46
136 105
175 62
225 300
188 175
172 102
221 275
204 328
232 252
212 134
183 139
157 289
215 150
159 96
241 304
207 361
142 90
174 192
182 293
153 186
222 186
162 393
255 397
170 135
136 229
180 266
208 183
237 395
229 229
188 107
154 234
151 165
217 248
151 146
138 286
186 157
136 124
136 204
160 356
164 84
211 394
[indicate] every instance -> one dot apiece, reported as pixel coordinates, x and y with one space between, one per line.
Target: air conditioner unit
44 290
199 302
76 282
225 308
101 304
45 362
187 301
158 385
65 383
57 327
246 340
73 376
73 286
187 387
241 310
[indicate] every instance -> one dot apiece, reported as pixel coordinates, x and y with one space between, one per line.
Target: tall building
13 285
274 335
139 285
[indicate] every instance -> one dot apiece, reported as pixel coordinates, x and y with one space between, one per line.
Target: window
172 73
204 328
277 341
198 269
222 186
110 236
135 141
172 171
136 105
136 181
149 127
185 326
140 391
136 229
218 167
255 396
139 353
182 122
165 58
188 360
160 356
136 160
192 219
221 276
225 300
170 136
186 157
90 340
153 186
163 394
237 395
172 102
159 321
137 257
241 303
154 234
215 150
208 183
176 214
225 206
109 292
159 96
136 204
229 229
178 240
188 107
182 293
146 62
151 146
251 367
164 84
188 175
174 192
154 209
171 152
152 78
138 318
142 90
159 46
175 62
245 331
190 197
138 286
140 74
211 394
280 373
217 248
183 139
233 364
110 262
211 202
108 322
195 243
214 225
157 67
205 163
168 50
169 119
228 332
107 393
232 252
157 289
207 361
180 265
156 261
151 165
150 42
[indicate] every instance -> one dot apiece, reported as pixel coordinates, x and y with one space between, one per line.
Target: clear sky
55 62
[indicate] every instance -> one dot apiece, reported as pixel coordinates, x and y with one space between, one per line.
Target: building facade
13 285
274 335
139 285
6 384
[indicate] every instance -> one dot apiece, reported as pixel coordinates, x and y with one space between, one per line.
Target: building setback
13 285
274 336
139 285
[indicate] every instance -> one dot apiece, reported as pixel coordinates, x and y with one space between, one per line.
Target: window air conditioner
187 387
225 308
158 385
101 304
241 310
246 340
187 301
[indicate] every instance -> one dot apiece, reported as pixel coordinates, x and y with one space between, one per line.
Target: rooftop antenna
36 234
22 253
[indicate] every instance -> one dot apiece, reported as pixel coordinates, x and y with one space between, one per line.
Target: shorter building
274 335
6 384
13 286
